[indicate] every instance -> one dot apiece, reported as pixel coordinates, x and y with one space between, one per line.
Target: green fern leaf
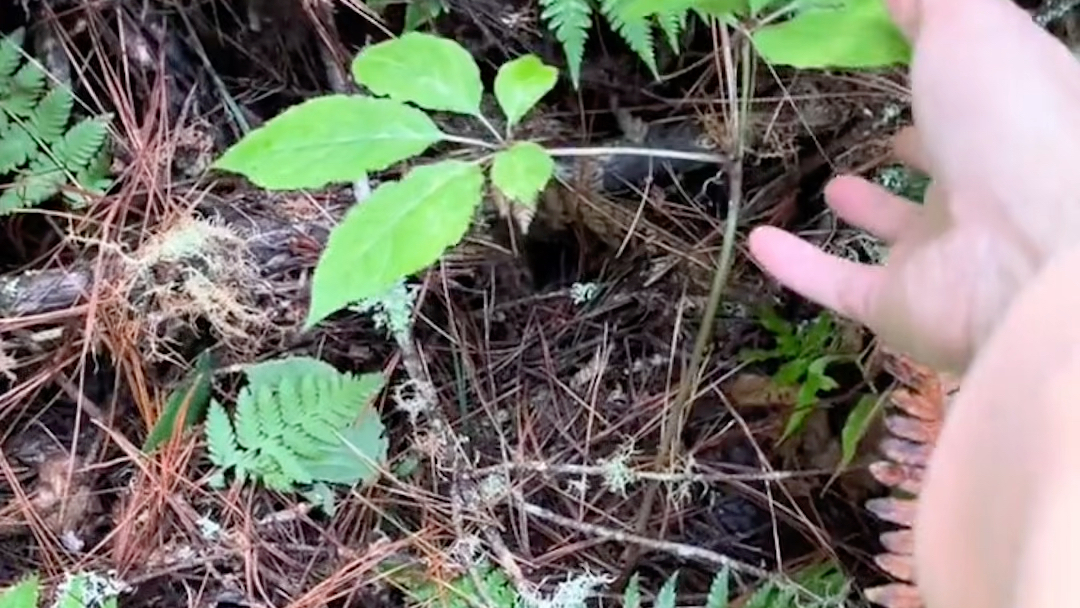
632 594
82 143
665 598
10 57
220 437
292 412
637 32
16 148
246 420
52 114
570 21
673 23
268 409
718 590
286 461
38 183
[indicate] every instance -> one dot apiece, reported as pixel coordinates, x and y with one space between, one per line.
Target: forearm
989 515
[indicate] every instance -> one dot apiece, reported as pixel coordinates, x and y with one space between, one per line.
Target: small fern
298 421
570 21
37 149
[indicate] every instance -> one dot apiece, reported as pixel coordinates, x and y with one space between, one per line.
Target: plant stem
676 414
469 141
490 127
706 157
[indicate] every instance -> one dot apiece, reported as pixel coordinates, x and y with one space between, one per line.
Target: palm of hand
1005 198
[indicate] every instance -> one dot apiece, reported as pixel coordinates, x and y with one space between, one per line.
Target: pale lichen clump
195 270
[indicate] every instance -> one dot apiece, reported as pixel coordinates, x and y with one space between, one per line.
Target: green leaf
856 425
665 598
400 229
797 421
522 171
520 84
221 438
718 590
632 595
23 594
358 457
335 138
570 20
430 71
191 396
859 34
637 9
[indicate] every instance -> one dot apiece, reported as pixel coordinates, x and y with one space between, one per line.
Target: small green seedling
807 350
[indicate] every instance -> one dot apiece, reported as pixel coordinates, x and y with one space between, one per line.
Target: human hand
996 104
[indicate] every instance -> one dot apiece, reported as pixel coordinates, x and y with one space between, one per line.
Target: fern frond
286 460
637 32
673 24
42 180
10 57
632 594
220 437
82 143
246 420
16 147
665 598
52 114
295 424
268 409
718 590
570 21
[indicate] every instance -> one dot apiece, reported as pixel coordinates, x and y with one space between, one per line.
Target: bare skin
981 280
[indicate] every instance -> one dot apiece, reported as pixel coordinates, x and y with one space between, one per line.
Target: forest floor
556 355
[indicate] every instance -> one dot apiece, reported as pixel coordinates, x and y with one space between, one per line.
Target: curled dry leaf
917 410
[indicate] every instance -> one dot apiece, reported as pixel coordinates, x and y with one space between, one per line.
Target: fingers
846 287
906 14
910 149
871 207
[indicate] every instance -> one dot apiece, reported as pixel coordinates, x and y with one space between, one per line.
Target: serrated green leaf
358 457
665 598
52 114
718 590
400 229
632 594
82 143
522 171
246 420
221 438
10 56
520 84
430 71
267 406
636 31
23 594
39 182
855 427
858 34
570 21
16 146
291 467
191 397
335 138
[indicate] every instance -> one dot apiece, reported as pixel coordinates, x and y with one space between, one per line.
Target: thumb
908 16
